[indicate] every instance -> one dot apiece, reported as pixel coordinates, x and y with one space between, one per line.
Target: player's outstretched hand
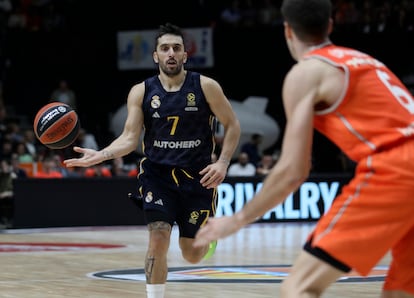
216 228
89 157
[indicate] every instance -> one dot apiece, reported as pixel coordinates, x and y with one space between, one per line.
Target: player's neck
312 47
172 83
319 45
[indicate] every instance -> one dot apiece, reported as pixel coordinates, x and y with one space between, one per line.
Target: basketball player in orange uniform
357 102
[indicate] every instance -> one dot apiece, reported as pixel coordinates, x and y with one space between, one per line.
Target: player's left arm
221 107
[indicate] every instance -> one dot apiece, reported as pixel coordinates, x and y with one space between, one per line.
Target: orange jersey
376 110
373 123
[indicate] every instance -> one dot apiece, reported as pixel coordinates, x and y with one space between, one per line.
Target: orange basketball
56 125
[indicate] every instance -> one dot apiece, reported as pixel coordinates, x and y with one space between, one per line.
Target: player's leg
191 254
159 206
372 215
309 277
187 230
156 266
200 204
400 278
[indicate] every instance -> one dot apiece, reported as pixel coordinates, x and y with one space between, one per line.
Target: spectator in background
86 140
64 94
135 168
133 172
5 9
17 19
6 149
66 172
243 167
118 168
14 130
24 156
252 148
16 168
231 15
6 193
53 19
249 14
99 170
3 118
30 142
265 165
269 14
34 18
49 169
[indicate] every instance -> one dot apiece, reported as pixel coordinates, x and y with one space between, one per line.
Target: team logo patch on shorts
231 274
149 197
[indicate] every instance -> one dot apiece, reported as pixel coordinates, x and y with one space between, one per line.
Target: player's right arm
300 92
125 143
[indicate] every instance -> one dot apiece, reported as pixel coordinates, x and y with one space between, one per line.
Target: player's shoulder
138 87
208 82
307 69
137 92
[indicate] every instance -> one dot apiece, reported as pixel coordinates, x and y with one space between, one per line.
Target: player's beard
171 71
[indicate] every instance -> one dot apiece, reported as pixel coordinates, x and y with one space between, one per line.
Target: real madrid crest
155 102
149 197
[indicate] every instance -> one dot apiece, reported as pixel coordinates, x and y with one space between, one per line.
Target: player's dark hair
168 28
309 19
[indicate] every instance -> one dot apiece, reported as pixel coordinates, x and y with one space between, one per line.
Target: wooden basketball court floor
91 262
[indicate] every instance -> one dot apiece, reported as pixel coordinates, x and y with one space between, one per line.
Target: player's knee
192 258
193 255
159 242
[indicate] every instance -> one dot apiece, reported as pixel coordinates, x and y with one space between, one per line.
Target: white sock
155 291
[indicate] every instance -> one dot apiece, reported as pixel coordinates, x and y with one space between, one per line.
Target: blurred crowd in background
22 156
54 17
61 15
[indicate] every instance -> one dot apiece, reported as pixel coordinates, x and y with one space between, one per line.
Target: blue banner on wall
135 48
309 203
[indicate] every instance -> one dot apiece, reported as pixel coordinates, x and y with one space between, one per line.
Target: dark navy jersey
178 125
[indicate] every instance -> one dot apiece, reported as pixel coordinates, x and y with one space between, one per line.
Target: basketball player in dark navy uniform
176 110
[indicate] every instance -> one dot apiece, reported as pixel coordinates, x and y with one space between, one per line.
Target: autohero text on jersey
177 144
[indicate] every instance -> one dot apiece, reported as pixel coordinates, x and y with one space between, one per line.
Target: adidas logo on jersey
159 202
156 115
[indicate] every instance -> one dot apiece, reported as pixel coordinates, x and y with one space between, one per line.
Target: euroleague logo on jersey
232 274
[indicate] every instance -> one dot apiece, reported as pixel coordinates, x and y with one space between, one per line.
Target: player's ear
155 57
185 57
287 31
330 26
